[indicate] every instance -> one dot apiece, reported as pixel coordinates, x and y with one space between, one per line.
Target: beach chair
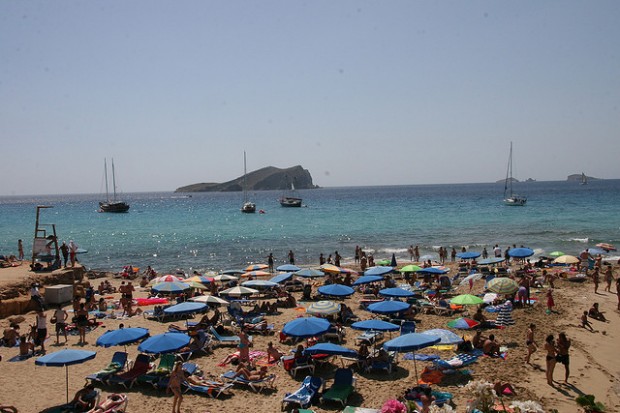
230 340
301 364
114 403
305 395
211 388
117 364
369 337
443 308
342 387
388 365
127 379
164 368
202 345
256 385
335 333
407 327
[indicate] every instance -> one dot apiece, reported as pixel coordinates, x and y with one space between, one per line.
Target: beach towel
421 357
460 360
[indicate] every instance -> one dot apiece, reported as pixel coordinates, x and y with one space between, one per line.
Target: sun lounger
117 364
230 340
256 385
341 389
304 363
212 389
382 365
114 403
369 337
305 395
164 368
202 345
443 307
335 333
127 379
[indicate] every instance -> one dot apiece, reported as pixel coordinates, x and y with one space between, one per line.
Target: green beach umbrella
466 299
410 268
556 254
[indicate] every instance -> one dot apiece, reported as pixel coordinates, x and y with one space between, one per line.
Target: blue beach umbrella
187 307
164 343
330 348
122 336
378 270
597 251
336 290
520 252
490 261
410 342
388 307
309 273
306 327
288 268
280 278
259 284
65 358
446 337
432 270
396 292
367 279
468 255
374 325
233 272
171 287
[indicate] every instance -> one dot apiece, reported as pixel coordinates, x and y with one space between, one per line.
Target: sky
357 92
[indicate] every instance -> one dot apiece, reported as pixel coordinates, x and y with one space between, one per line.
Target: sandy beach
594 365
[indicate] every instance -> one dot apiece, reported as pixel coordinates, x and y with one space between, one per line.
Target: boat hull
114 206
515 201
248 208
290 202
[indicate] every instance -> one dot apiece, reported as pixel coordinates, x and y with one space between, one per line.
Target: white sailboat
510 198
584 179
290 200
111 205
247 207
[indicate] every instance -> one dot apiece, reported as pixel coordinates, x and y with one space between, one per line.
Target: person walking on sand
530 342
291 257
608 278
174 385
562 356
20 250
550 357
41 327
64 250
60 316
596 278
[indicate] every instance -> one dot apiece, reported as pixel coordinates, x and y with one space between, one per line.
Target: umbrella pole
67 381
415 368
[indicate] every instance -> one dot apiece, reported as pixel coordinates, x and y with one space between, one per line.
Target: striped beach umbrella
503 285
171 287
256 273
323 308
167 279
238 291
463 323
256 267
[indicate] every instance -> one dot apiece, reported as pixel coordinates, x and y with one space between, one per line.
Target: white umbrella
225 277
238 291
209 299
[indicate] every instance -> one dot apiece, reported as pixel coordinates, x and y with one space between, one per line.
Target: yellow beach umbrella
566 259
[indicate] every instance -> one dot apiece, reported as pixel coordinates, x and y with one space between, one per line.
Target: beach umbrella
199 279
410 268
65 358
306 327
388 307
280 278
396 292
164 343
187 307
348 271
463 323
309 273
331 349
367 279
378 270
197 285
330 268
256 267
446 337
170 287
256 273
473 277
234 272
566 259
521 252
433 270
122 336
491 261
323 308
489 298
374 325
556 254
384 261
259 284
167 279
466 299
336 290
225 278
606 246
238 291
209 299
503 285
411 342
468 255
393 260
288 268
597 251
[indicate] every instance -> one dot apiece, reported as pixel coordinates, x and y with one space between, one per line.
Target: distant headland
268 178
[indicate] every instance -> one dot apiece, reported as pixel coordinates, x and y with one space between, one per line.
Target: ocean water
208 232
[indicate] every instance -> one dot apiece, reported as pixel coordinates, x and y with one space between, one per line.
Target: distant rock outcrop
578 178
501 181
269 178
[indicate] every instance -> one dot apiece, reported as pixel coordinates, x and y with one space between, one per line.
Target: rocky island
268 178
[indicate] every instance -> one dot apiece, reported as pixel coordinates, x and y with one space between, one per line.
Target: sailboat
247 207
113 205
510 198
584 179
289 200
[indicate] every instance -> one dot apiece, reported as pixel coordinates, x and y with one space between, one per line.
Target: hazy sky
357 92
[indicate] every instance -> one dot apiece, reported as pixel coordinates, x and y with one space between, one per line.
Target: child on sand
585 323
550 301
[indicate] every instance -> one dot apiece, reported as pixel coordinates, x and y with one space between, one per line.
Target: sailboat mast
113 181
245 186
105 172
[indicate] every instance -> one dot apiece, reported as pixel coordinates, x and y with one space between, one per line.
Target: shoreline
594 366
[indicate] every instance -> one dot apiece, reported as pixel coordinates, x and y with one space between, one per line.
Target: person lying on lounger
251 375
110 402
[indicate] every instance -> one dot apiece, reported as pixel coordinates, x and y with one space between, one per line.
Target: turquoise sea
207 231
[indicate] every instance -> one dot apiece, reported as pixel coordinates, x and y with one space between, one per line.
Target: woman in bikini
530 342
550 358
81 319
562 356
174 385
